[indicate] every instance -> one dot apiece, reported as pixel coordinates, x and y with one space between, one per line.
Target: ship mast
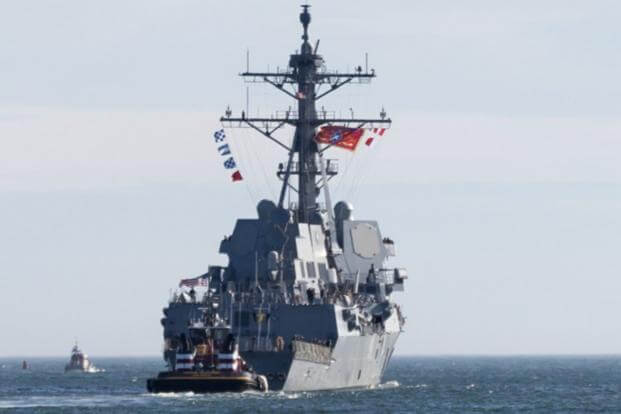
301 81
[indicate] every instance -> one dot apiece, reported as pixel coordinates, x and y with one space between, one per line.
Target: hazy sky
500 180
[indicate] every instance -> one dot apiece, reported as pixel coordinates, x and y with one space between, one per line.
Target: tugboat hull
204 382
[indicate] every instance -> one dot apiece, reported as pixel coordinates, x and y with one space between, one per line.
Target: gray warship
306 294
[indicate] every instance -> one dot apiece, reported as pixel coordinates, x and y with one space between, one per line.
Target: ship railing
253 298
332 168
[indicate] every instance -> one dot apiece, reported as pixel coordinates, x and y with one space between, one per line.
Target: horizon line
445 355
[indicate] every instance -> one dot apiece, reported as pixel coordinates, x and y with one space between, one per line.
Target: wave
90 370
63 401
386 385
171 394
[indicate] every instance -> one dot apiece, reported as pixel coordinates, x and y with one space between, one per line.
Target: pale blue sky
500 180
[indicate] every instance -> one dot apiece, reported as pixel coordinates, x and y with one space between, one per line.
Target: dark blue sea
424 385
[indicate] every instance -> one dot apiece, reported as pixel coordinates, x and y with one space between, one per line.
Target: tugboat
213 365
307 293
79 361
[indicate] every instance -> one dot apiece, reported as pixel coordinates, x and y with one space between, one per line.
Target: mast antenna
305 74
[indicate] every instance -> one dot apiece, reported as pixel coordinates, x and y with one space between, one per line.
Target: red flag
237 176
374 132
339 136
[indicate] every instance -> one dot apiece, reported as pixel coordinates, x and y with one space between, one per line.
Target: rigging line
266 187
358 178
355 172
247 168
357 162
261 159
344 163
343 175
373 160
288 198
345 181
249 153
250 149
247 178
232 143
264 100
355 101
265 176
251 167
253 198
349 160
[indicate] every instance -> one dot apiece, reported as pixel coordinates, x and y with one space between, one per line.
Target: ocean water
424 385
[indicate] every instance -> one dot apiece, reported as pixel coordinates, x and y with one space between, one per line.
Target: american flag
195 281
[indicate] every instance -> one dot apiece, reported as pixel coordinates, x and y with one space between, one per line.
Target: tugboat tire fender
263 385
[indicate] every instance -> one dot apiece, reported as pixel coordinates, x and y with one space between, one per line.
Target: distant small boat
79 361
24 364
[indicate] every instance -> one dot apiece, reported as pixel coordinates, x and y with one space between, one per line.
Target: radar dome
343 210
265 208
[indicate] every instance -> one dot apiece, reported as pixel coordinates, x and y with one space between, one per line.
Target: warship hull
203 382
305 298
356 362
357 358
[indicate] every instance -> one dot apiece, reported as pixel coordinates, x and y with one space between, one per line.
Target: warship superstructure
307 289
